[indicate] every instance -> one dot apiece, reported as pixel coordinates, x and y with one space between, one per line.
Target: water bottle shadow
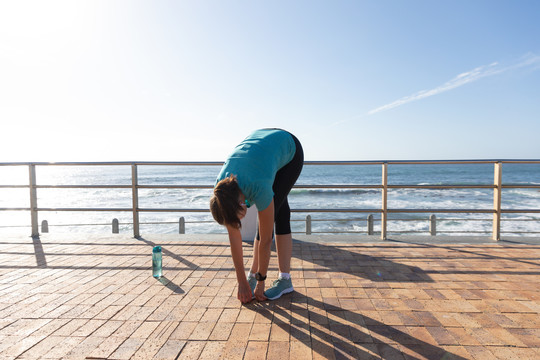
170 285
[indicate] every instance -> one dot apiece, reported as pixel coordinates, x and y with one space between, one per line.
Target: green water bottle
156 262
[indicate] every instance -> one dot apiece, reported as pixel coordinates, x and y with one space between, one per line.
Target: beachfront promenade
78 296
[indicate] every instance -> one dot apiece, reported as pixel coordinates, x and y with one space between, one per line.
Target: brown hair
225 204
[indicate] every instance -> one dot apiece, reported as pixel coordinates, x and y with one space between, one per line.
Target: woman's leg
283 183
255 264
284 252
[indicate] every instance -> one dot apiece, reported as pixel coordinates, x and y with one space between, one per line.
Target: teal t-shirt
255 162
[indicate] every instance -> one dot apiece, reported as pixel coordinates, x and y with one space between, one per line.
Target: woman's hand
244 292
259 291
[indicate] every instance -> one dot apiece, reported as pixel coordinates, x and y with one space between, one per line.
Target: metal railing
384 187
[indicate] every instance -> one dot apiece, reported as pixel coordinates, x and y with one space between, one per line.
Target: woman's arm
235 239
266 225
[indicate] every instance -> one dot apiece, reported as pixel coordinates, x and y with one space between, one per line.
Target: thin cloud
460 80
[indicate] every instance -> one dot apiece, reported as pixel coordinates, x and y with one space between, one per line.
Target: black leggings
285 179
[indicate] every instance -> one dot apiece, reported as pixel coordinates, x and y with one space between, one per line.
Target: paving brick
149 348
17 345
462 336
202 331
421 335
212 350
260 332
441 335
84 348
61 349
194 314
388 351
256 350
170 350
229 315
88 328
24 327
221 331
192 350
300 350
145 330
42 348
108 328
279 331
127 349
480 352
211 315
246 315
183 330
278 350
127 329
530 337
234 349
70 327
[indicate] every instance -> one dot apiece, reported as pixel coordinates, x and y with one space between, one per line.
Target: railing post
384 210
33 201
433 225
370 224
115 226
308 225
497 192
44 226
181 225
135 200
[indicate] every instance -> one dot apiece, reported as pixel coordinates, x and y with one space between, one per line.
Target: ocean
300 198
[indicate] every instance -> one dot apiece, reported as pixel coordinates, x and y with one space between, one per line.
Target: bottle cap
157 249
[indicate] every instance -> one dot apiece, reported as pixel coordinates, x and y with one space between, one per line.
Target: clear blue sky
188 80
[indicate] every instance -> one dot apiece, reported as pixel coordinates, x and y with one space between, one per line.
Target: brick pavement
93 297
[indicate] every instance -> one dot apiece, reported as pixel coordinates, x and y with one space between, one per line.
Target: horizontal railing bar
218 163
441 186
84 209
173 210
517 186
120 186
439 232
329 186
332 186
347 210
477 211
426 162
83 186
117 163
456 219
480 211
337 186
520 232
175 186
336 210
510 219
414 219
345 220
71 225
